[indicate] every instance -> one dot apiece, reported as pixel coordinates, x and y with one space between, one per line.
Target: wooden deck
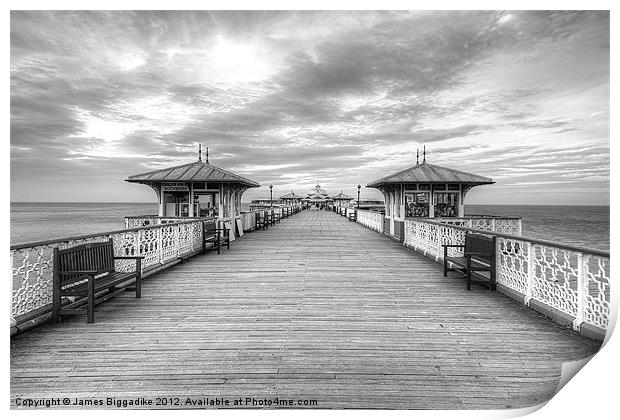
316 307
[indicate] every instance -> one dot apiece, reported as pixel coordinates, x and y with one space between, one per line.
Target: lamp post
270 195
358 195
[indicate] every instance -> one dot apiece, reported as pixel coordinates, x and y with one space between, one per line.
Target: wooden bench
353 216
216 236
86 274
269 219
261 220
478 256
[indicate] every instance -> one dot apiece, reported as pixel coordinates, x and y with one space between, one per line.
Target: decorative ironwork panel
168 239
126 244
512 264
555 276
596 310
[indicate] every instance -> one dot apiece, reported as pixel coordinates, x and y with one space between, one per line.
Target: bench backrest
97 256
210 226
480 244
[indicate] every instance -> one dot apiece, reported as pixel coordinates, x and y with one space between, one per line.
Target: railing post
190 237
202 237
582 289
529 292
137 244
159 244
177 238
493 224
439 242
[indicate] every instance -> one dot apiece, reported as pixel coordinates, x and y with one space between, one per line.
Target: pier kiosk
197 189
341 199
291 199
424 190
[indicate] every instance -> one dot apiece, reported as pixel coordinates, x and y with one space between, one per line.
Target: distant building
264 203
376 205
318 197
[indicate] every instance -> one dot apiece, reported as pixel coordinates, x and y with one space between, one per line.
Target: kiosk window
446 205
416 204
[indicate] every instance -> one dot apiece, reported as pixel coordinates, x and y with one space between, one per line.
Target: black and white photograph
308 209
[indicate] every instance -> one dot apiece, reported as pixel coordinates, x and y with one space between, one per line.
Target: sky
295 98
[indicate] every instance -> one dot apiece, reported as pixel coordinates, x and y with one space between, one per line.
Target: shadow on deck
316 307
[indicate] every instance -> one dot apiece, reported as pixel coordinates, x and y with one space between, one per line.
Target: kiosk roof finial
417 156
199 152
424 155
207 157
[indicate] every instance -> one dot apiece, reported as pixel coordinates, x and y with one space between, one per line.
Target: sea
583 226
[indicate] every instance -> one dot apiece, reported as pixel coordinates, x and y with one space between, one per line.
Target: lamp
270 195
358 195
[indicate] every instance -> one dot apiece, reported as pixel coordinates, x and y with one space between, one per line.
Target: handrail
98 234
593 251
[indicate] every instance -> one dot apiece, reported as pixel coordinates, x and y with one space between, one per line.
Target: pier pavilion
196 189
318 197
424 190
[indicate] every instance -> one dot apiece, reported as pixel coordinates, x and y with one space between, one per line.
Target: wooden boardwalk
316 307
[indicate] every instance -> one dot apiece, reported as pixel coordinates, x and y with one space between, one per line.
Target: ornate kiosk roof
290 196
198 171
427 173
342 196
317 190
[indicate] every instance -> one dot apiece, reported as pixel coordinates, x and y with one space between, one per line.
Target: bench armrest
129 258
453 246
478 254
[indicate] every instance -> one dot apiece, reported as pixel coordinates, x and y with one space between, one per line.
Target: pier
315 307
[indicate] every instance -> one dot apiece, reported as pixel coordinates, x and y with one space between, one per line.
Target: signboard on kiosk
175 186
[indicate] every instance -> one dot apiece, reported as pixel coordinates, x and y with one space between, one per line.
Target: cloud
292 97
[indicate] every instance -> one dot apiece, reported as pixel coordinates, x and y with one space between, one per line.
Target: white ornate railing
151 220
370 219
508 225
571 280
32 266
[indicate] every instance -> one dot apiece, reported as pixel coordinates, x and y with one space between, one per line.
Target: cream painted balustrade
552 277
150 220
508 225
32 263
370 219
